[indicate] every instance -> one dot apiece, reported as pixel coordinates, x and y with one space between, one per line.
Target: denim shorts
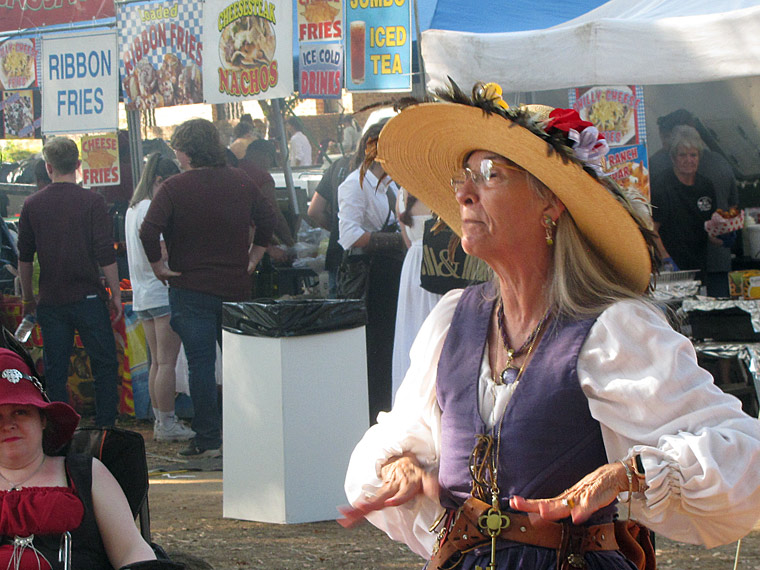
154 313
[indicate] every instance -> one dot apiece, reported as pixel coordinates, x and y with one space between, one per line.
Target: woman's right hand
403 479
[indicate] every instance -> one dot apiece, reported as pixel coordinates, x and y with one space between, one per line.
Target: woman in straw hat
43 495
534 403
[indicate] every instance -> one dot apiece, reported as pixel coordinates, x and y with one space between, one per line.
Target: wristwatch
639 473
638 466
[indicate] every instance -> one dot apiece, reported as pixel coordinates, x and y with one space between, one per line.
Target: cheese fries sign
100 160
248 50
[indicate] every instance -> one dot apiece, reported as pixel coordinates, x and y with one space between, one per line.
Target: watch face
638 465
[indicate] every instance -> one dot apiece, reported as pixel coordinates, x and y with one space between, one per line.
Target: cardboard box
744 284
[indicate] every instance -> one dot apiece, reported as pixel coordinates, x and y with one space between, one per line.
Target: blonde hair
581 283
156 166
62 154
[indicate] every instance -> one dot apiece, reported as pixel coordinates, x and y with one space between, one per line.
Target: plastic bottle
266 281
24 330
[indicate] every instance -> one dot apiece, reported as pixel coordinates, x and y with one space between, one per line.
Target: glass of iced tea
358 31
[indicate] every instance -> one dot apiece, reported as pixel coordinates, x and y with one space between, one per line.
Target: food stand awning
620 42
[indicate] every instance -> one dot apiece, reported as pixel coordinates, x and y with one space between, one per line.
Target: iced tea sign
378 45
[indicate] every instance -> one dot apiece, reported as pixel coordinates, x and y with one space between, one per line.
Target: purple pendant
509 375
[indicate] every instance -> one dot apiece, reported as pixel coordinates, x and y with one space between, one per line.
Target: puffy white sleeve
700 451
414 425
352 202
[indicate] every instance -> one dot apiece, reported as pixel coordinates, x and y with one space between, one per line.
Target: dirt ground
186 519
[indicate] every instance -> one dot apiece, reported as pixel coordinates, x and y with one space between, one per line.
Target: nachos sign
247 50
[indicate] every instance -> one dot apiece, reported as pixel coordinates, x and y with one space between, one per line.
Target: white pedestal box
294 408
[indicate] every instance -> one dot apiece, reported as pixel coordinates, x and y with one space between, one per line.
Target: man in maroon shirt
265 182
69 229
205 215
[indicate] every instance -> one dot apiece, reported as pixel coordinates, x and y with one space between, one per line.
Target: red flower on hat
566 119
588 144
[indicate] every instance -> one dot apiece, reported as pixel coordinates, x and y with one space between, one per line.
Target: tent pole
135 144
420 61
279 125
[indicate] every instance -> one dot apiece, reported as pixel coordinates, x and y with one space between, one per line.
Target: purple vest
549 441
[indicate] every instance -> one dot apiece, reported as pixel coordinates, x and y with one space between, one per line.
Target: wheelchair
123 453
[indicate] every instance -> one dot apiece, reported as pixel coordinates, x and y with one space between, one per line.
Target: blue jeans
197 319
90 317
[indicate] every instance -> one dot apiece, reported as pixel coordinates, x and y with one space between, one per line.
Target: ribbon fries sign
81 77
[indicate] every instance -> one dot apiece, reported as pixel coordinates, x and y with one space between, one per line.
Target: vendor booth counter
295 405
726 338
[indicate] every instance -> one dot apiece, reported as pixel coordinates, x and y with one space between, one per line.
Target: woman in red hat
43 495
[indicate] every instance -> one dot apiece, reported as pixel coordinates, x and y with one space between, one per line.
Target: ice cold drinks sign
321 70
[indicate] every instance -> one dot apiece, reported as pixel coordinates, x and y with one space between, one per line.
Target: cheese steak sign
22 14
247 49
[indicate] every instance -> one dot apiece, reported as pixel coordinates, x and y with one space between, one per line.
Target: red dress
35 511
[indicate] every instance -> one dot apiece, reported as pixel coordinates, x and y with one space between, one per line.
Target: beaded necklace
511 373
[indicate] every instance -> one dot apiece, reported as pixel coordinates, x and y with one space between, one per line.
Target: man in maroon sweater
69 229
265 182
206 215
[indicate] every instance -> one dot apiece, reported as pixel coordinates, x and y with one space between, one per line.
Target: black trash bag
271 318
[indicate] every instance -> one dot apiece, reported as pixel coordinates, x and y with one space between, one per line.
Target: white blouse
147 291
363 208
700 451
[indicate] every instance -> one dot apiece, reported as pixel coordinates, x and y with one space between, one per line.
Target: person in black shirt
683 200
323 210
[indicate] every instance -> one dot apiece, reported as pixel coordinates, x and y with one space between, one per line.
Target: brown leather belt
464 534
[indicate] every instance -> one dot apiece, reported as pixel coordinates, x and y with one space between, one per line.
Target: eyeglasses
490 174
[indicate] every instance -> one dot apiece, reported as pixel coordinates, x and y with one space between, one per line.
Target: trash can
295 405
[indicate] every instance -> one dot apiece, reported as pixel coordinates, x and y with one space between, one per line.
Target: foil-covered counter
747 353
710 304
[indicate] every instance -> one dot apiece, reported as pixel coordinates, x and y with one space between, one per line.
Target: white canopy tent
621 42
703 55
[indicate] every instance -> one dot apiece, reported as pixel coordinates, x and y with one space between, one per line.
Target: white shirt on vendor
363 208
300 150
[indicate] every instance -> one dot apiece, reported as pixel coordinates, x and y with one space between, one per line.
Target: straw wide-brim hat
425 144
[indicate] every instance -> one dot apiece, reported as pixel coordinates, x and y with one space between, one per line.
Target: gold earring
549 226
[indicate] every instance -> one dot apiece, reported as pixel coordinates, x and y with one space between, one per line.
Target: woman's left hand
596 490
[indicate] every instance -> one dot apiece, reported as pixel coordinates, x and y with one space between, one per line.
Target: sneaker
173 432
192 450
